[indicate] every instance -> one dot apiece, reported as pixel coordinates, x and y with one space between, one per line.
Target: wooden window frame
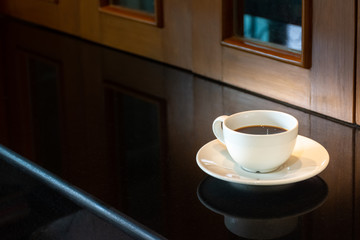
301 58
155 19
51 1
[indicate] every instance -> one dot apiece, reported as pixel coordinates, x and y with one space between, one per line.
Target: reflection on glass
246 208
136 135
276 22
141 5
43 77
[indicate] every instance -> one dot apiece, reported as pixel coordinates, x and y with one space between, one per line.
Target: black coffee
261 130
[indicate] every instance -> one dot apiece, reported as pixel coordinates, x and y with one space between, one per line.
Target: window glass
277 23
141 5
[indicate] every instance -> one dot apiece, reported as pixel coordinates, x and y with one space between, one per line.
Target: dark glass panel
43 76
137 125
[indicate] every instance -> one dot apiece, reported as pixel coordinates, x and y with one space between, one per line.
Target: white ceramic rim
322 160
293 128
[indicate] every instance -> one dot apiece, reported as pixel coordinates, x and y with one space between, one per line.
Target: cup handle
217 128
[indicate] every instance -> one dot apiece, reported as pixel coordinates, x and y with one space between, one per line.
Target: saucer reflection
262 212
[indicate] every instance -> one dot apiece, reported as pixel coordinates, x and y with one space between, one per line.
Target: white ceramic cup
257 153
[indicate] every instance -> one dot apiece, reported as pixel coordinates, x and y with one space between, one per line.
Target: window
146 11
276 29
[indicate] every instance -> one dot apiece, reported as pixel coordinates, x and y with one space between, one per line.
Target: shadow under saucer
262 212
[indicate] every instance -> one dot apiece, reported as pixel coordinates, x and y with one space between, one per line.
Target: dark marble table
101 144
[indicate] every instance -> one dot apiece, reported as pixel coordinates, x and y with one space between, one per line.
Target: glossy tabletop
97 141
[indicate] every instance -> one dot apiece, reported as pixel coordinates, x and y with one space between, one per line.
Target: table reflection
262 212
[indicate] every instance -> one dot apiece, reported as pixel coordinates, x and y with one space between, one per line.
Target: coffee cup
260 140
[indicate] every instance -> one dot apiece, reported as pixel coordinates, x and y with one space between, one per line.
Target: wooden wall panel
333 54
357 73
69 16
327 87
269 77
170 43
138 38
6 7
235 101
61 15
176 33
89 20
206 38
191 39
37 11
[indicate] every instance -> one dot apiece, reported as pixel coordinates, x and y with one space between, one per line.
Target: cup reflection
262 212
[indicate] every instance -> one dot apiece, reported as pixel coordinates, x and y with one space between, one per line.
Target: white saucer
308 159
